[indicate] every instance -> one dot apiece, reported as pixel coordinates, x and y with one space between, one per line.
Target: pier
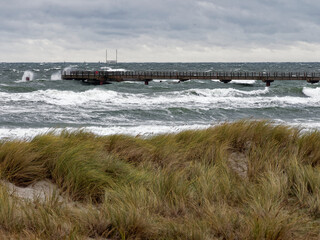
107 77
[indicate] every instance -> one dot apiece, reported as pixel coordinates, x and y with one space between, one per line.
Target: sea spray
27 76
56 76
109 69
104 99
312 92
68 69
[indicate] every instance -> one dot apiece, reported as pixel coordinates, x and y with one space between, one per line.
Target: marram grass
242 180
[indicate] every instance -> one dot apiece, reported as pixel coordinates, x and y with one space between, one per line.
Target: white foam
99 98
306 126
142 130
56 76
27 74
137 130
312 92
244 82
21 133
109 69
165 80
228 92
68 69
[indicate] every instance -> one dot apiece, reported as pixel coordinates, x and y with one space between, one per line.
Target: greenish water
46 102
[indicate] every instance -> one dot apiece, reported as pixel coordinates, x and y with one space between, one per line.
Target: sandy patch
238 162
41 191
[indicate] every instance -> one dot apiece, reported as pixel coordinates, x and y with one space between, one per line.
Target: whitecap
68 69
56 76
100 98
227 92
244 82
109 69
312 92
27 76
141 130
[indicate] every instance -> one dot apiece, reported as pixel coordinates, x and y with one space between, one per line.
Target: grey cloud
225 23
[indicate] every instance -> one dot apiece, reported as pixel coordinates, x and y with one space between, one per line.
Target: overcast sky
160 31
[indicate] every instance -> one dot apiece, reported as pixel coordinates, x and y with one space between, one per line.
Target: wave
138 130
27 76
312 92
141 130
109 69
54 68
98 98
56 76
227 92
68 69
242 82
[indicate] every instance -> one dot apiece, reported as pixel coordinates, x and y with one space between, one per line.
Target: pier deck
105 77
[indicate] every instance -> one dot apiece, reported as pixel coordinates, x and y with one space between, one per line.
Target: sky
160 30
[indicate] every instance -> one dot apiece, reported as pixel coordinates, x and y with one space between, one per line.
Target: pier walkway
106 77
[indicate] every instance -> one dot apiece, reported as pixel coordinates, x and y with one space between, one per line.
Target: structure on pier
106 77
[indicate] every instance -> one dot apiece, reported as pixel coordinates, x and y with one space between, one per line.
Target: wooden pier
106 77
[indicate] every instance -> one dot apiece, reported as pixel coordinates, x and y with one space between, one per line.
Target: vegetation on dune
242 180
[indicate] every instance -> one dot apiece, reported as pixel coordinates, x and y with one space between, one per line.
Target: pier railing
101 77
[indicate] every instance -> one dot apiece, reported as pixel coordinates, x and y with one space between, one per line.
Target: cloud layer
163 30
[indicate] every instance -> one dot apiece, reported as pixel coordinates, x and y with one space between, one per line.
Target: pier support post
183 80
146 81
225 80
312 81
268 82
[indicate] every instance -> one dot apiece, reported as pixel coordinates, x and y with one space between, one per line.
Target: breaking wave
98 98
141 130
244 82
56 76
27 76
68 69
113 69
312 92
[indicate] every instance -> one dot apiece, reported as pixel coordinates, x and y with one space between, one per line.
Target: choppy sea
46 102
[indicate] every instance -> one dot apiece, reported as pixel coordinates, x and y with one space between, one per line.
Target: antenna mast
111 61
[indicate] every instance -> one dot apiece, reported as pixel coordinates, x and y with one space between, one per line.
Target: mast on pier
111 61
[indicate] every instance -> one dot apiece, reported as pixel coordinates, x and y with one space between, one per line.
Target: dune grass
241 180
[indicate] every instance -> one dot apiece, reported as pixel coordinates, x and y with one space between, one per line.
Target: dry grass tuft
242 180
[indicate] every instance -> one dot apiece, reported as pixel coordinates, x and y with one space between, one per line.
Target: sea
48 103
